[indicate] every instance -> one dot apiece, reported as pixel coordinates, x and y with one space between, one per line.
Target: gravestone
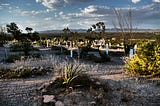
107 49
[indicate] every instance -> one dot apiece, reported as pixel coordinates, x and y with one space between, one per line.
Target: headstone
71 53
131 53
135 47
6 54
107 49
47 42
110 44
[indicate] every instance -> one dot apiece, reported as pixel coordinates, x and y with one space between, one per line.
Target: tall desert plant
70 73
125 24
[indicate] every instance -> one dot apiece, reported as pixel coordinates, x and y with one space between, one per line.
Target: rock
59 103
92 103
48 98
98 83
45 85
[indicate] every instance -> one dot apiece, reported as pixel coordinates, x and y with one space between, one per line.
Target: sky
77 14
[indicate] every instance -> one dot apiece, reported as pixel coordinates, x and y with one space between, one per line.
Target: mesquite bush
146 60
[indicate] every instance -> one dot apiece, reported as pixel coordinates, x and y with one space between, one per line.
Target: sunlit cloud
69 1
158 1
32 13
136 1
54 4
5 4
48 19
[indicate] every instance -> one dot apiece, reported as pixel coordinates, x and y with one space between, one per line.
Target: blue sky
59 14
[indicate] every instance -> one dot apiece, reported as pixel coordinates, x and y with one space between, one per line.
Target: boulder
48 98
59 103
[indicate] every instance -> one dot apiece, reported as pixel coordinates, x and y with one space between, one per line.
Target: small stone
48 98
92 103
45 85
98 83
59 103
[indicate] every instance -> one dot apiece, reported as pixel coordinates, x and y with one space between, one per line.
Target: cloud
136 1
158 1
53 4
69 1
48 19
38 1
31 13
94 13
96 10
5 4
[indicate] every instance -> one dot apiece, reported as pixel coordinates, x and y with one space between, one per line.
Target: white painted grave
107 49
71 52
131 53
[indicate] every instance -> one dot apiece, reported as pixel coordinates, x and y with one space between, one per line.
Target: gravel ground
21 92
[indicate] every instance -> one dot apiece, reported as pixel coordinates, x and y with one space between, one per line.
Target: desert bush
12 58
70 73
105 57
22 48
22 72
26 72
146 60
4 70
58 49
16 48
157 38
36 55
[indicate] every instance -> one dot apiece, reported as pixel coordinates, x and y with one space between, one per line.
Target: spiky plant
70 73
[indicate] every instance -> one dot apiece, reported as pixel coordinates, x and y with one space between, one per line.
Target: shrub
26 72
36 55
12 58
23 47
58 49
70 73
84 51
16 48
146 60
104 57
3 70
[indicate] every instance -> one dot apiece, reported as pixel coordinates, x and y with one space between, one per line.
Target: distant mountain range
107 30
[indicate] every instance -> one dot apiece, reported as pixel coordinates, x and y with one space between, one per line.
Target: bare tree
125 25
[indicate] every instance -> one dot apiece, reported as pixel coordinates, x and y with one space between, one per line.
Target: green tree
32 36
100 27
35 36
28 29
14 30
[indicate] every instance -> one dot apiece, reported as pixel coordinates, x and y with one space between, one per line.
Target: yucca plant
70 73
